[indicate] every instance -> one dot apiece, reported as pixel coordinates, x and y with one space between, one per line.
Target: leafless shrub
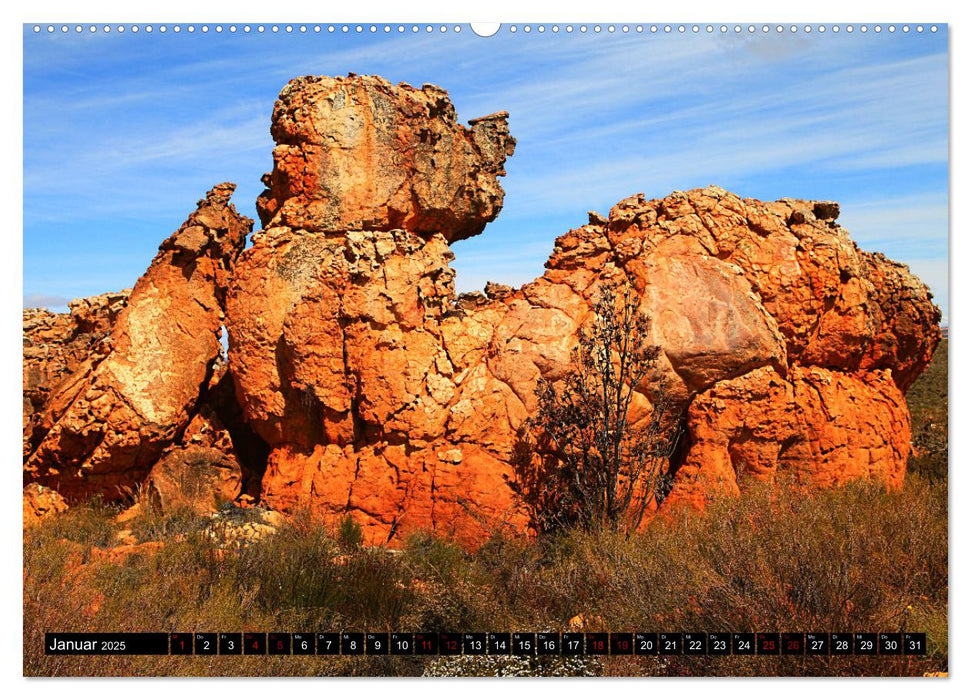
594 463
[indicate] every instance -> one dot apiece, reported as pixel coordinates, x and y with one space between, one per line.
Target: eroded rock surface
107 424
55 345
384 396
41 503
195 478
820 427
358 383
361 153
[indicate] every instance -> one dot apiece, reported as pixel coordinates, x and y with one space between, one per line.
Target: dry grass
927 399
851 559
855 558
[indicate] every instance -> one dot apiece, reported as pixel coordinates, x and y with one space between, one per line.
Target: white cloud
598 118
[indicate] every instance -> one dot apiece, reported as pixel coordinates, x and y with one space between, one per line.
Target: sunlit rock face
107 423
385 397
358 384
359 153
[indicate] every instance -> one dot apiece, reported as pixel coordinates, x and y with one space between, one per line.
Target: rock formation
194 478
41 503
383 396
387 157
821 427
55 345
106 424
365 387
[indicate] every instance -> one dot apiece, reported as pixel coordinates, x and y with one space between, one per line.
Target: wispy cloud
38 301
123 133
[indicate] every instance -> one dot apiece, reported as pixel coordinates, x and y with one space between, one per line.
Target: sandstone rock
835 305
387 156
305 316
359 383
236 528
907 328
41 503
110 420
384 396
97 315
494 290
55 345
820 428
197 479
219 425
218 458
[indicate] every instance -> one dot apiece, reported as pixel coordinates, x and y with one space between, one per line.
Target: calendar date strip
487 643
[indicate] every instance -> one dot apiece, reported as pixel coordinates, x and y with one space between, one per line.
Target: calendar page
514 349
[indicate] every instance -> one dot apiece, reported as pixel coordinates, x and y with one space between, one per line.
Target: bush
598 463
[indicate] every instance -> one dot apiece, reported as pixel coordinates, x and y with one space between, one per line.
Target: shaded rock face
382 395
219 426
107 423
360 153
195 479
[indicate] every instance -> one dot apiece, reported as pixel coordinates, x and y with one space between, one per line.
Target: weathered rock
219 425
386 156
109 421
364 386
819 428
56 344
41 503
197 479
907 330
383 395
233 527
836 306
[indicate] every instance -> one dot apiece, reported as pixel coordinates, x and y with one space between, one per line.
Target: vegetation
927 399
596 463
856 558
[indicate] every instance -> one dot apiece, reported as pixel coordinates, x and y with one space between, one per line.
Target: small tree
596 467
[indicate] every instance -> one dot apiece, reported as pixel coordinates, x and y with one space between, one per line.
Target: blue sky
124 132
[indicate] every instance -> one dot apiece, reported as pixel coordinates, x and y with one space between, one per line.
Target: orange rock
365 386
219 426
383 395
109 421
388 157
820 428
836 306
198 479
41 503
391 490
55 345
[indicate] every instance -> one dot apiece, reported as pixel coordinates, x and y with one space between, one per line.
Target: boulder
41 503
108 422
818 428
387 157
382 395
835 305
196 479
